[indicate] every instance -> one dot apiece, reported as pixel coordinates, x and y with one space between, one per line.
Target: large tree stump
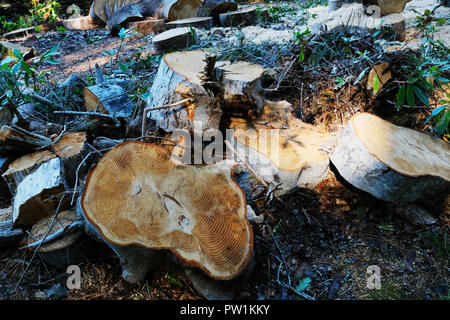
71 149
282 149
391 163
101 10
180 9
197 22
152 26
179 78
139 195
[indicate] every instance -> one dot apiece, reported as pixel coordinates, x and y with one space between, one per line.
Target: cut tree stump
20 33
148 26
19 137
392 6
101 10
109 99
213 8
392 163
180 9
139 195
197 22
241 83
282 149
71 149
38 193
123 16
80 23
245 17
174 39
179 77
9 235
395 26
7 49
65 249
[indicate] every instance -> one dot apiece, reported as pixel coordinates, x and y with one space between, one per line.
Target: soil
313 243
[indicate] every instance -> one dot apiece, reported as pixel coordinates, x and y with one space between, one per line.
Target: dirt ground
313 243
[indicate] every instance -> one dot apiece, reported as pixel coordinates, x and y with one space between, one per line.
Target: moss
388 291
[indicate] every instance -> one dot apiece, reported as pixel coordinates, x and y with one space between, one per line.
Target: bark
20 33
174 39
81 23
148 26
241 18
19 137
212 8
108 98
198 22
180 9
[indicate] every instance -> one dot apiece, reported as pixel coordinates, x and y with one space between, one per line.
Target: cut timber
101 10
241 18
281 148
197 22
124 15
80 23
9 236
382 73
71 149
174 39
148 26
392 163
108 98
7 49
212 8
5 193
241 83
394 25
21 138
20 33
392 6
64 249
179 77
38 193
139 195
180 9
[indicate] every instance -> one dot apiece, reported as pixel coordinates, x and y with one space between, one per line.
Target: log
382 72
174 39
7 49
71 149
9 235
38 193
101 10
197 22
394 26
392 163
213 8
241 83
145 27
79 23
282 149
138 195
123 16
179 77
19 137
5 193
245 17
180 9
392 6
109 99
19 33
62 250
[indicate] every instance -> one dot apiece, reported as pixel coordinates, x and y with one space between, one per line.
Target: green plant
276 11
299 38
440 117
45 12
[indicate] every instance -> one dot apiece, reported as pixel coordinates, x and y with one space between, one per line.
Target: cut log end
175 39
80 23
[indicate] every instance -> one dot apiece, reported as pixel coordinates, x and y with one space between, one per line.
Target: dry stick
55 141
39 246
283 75
183 102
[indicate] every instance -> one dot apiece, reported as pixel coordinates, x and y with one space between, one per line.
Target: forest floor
317 242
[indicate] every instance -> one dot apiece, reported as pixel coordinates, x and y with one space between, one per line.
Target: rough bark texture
81 23
23 32
7 49
366 172
148 26
171 85
180 9
241 18
197 22
174 39
108 98
124 15
9 236
102 10
19 137
395 26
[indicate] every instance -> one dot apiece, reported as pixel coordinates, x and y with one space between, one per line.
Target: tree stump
282 149
180 9
212 8
197 22
392 163
108 98
173 39
245 17
145 27
81 23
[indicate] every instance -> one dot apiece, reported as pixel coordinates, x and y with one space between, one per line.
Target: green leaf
361 75
174 281
376 84
5 62
17 53
123 67
422 96
387 227
410 96
435 112
401 95
303 284
443 122
301 56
